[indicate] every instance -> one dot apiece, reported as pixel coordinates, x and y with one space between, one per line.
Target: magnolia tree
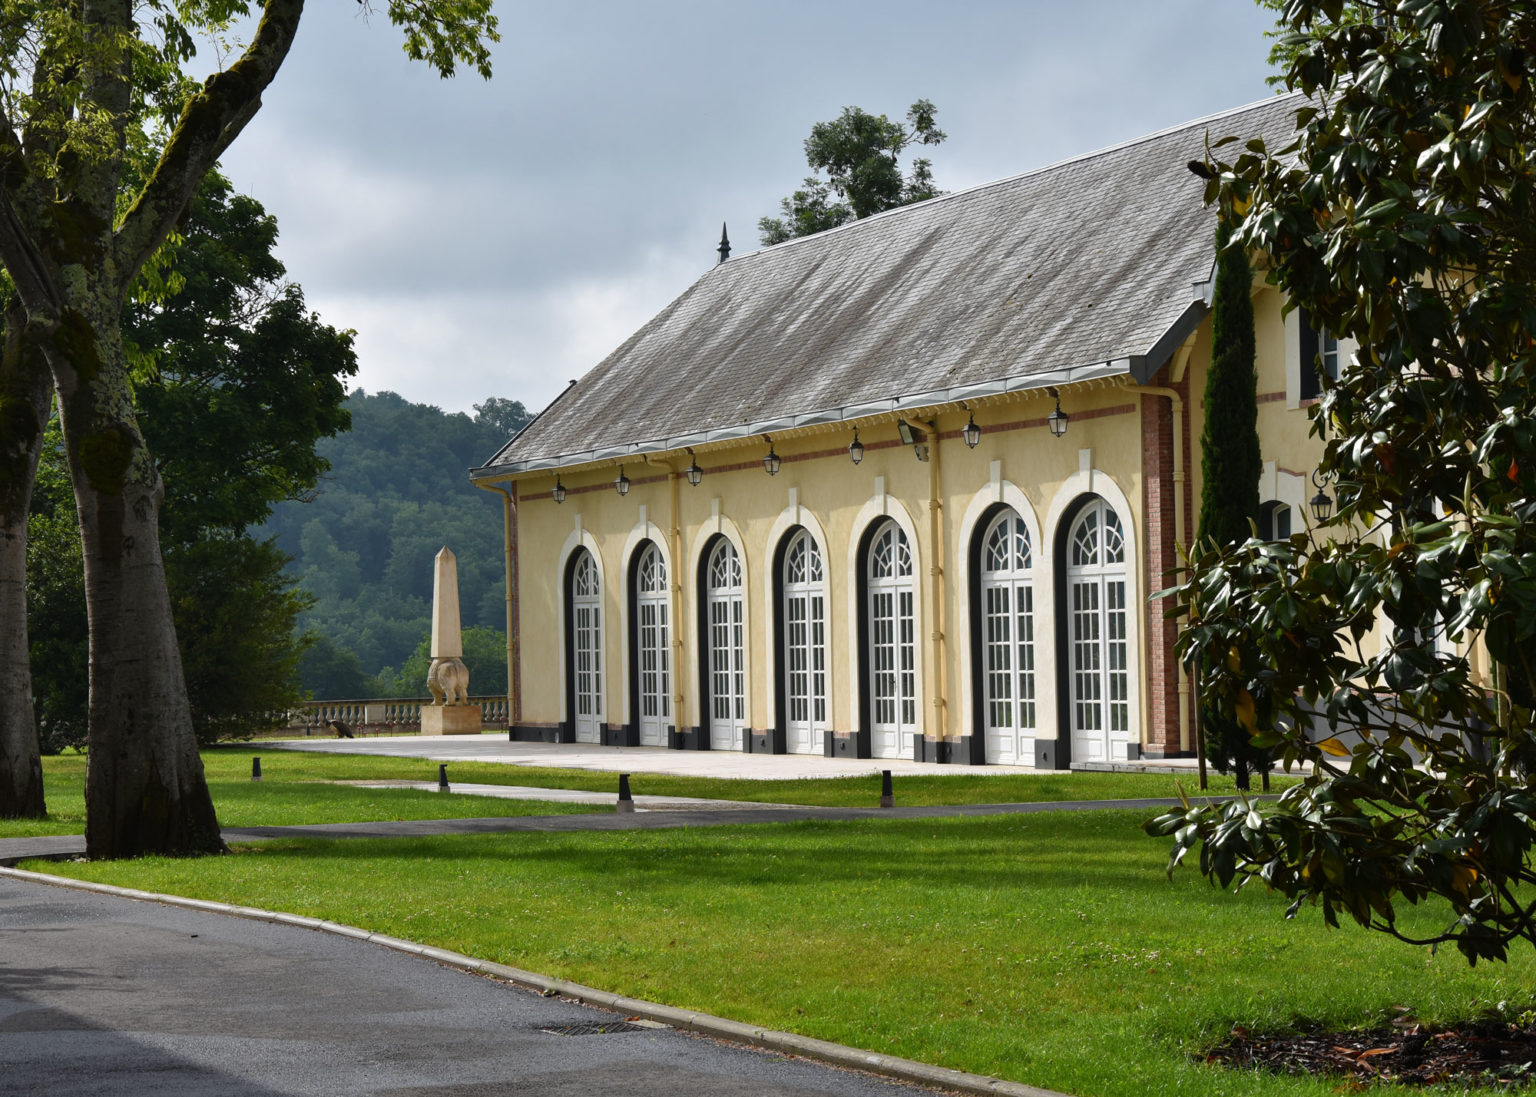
89 91
1401 214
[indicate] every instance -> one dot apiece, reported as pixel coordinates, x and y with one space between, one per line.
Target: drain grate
591 1028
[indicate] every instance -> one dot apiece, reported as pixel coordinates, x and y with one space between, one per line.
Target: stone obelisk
450 712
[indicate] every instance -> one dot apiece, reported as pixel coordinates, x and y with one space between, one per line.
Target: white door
587 649
892 647
727 676
1008 640
1096 633
805 646
653 609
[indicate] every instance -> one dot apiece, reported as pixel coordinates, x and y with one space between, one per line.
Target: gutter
1118 367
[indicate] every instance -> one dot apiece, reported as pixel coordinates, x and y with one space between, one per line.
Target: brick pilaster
1158 501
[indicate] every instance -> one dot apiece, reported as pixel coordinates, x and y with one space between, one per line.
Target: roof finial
725 244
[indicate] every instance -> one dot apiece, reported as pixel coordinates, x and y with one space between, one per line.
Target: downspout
1176 401
675 532
507 510
936 582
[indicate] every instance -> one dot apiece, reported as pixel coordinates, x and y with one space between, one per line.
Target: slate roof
1080 270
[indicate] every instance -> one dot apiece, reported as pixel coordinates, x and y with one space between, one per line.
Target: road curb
890 1066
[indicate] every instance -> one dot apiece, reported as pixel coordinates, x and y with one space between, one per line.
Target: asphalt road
107 996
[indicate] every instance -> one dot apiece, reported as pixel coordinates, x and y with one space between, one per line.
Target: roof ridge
1009 179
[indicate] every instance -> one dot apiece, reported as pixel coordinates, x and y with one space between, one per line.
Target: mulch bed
1490 1053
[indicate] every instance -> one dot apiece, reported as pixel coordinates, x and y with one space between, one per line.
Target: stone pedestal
450 719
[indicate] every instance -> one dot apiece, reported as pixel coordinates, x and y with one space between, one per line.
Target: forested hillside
362 547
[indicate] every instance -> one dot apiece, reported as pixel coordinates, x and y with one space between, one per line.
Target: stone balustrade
381 716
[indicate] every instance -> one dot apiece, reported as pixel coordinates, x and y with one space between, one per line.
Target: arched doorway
1098 648
724 647
803 665
652 610
890 659
584 596
1006 639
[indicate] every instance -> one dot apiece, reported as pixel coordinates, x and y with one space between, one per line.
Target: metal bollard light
626 802
887 797
256 769
442 777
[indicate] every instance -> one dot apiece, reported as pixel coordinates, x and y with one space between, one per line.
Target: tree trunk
144 786
25 389
1240 773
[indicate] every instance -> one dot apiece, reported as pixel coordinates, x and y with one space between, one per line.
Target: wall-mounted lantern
772 461
693 472
971 433
1322 502
856 449
558 493
1057 420
621 485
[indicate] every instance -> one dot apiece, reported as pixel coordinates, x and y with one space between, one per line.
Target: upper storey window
1319 356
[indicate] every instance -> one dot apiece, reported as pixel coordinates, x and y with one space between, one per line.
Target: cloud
499 238
454 349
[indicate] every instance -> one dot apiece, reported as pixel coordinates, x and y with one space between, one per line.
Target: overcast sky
499 238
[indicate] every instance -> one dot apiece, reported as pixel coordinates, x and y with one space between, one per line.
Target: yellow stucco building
904 488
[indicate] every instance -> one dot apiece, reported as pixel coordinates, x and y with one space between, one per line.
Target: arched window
1007 638
653 652
1099 657
1274 521
892 654
585 668
724 645
803 668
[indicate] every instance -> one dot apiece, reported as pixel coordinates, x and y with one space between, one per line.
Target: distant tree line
299 523
362 546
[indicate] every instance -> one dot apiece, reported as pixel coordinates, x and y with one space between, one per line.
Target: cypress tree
1230 463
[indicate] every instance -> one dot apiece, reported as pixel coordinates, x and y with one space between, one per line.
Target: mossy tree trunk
144 786
25 390
72 256
73 238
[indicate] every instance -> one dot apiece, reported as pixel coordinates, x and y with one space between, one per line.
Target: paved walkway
101 996
495 747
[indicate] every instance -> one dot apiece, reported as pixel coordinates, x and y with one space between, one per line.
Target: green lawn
1049 949
294 789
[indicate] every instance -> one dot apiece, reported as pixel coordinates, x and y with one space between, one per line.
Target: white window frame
891 622
653 654
586 595
1101 656
1007 651
725 620
804 666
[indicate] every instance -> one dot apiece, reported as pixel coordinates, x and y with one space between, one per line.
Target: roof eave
1143 367
848 413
